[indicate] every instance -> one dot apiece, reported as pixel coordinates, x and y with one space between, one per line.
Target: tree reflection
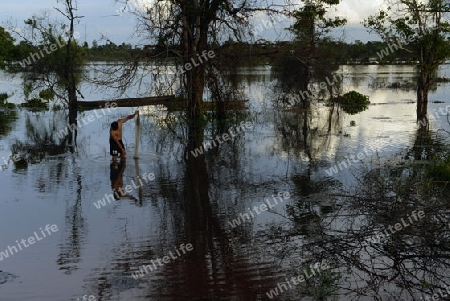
218 266
40 142
70 253
308 134
375 241
8 120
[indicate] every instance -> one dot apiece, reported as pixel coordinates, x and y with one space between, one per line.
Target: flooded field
262 215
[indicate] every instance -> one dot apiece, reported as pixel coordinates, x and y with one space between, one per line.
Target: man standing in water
116 145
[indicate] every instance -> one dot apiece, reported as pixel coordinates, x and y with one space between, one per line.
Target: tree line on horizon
357 52
267 52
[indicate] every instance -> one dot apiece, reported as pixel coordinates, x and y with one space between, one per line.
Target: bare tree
420 27
69 73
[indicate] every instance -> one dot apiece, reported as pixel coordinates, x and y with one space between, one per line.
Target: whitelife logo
314 89
398 226
31 240
39 55
368 151
118 193
225 137
399 45
263 207
205 55
86 120
306 274
87 298
143 269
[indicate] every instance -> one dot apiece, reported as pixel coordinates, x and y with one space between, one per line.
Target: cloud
100 17
355 11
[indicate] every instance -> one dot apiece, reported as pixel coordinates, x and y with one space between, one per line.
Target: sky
107 18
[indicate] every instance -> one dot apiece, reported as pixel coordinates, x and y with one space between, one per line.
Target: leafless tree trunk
69 71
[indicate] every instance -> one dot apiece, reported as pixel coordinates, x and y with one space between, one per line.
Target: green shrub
353 102
353 98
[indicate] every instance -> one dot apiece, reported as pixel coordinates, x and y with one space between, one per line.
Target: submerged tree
421 28
311 25
314 54
190 34
51 61
73 61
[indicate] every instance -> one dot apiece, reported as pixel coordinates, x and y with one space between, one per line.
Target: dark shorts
115 171
114 149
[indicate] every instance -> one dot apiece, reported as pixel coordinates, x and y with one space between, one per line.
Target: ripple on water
217 269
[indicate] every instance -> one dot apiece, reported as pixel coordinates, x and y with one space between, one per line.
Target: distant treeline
372 52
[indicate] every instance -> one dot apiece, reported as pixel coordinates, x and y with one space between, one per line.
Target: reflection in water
193 200
426 145
116 176
306 135
408 263
222 264
200 222
8 119
70 253
40 142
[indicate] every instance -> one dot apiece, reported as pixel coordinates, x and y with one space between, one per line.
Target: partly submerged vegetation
353 102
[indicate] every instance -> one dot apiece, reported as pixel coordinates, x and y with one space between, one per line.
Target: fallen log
128 102
171 102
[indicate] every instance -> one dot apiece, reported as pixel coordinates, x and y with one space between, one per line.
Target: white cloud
355 11
101 17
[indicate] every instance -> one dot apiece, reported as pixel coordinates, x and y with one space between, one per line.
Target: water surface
194 201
